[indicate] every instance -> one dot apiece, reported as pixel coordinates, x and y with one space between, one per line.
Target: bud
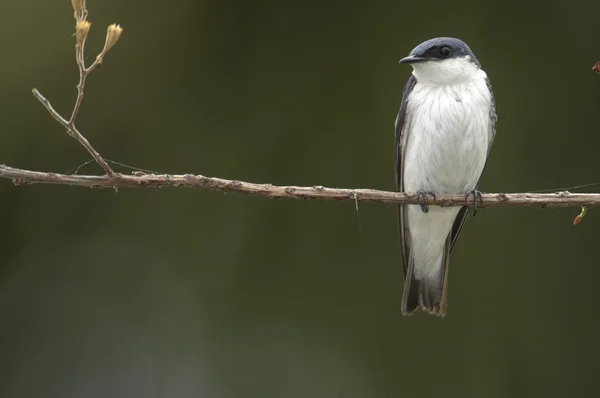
112 35
580 216
81 31
79 8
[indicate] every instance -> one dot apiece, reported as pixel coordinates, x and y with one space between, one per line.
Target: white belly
445 151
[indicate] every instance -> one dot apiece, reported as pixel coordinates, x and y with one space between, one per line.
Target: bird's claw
477 197
423 194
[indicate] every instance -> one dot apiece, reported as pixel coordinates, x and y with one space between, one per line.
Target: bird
444 132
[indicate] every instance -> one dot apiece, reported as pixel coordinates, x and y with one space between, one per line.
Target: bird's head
443 60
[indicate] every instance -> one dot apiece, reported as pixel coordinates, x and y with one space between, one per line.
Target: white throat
447 71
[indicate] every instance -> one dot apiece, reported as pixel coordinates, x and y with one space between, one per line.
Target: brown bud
112 36
81 31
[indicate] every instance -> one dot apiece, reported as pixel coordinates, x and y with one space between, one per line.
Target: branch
139 179
82 28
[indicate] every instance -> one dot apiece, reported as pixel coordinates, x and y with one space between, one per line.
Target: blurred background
192 293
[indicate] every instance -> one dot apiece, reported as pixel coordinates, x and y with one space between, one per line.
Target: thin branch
55 115
72 131
80 58
82 28
139 179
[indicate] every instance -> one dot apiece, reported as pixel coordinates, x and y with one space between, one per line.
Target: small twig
82 28
73 132
83 72
139 179
50 108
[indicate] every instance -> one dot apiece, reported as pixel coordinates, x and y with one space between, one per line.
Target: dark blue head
444 60
439 49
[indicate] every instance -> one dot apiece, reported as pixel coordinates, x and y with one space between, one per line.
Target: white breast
448 135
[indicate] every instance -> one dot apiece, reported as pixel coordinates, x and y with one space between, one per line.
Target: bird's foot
423 194
477 197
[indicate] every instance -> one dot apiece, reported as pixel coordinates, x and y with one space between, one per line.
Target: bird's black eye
445 51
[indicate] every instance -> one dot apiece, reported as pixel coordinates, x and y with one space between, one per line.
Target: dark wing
399 151
462 214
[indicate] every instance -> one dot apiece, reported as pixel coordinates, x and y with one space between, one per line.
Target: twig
139 179
72 131
82 28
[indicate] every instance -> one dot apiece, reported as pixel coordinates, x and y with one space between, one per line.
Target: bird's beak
412 59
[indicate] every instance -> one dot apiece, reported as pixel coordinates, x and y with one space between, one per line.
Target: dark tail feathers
430 293
427 294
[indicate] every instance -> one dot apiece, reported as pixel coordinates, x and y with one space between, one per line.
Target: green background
192 293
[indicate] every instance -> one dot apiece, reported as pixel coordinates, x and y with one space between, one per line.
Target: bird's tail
428 293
